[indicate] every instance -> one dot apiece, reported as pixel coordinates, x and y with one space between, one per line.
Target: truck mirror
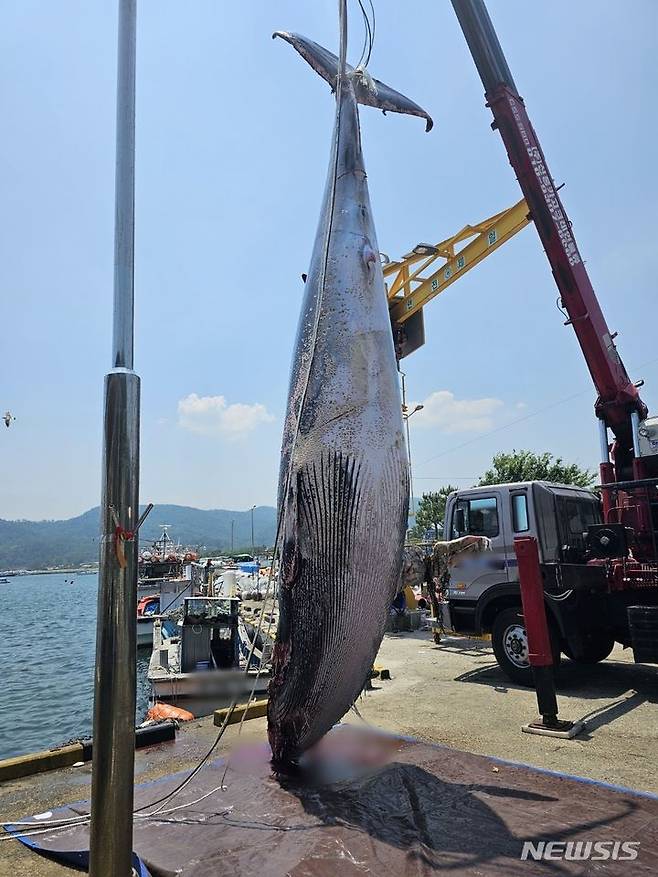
460 521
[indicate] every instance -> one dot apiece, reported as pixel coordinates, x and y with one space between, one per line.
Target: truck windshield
480 517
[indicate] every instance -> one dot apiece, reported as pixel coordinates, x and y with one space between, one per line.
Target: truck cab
483 596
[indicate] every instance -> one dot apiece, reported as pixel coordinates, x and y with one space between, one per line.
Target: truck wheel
510 646
597 648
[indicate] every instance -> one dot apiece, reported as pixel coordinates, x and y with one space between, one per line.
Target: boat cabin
209 634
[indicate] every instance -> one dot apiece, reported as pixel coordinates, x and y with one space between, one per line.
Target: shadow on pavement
607 714
609 679
630 686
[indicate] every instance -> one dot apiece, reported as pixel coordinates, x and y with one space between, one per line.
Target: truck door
480 514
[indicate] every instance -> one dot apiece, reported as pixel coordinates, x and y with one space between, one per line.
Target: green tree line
506 468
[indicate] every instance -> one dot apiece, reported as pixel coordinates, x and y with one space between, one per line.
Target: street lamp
253 546
406 414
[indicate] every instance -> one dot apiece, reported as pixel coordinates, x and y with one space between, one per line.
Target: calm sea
47 645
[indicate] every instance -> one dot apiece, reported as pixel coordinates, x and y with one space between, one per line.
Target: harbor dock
462 702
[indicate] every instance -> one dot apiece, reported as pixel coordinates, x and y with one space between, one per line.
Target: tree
430 512
526 466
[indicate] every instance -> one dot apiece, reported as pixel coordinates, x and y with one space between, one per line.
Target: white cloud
441 409
211 415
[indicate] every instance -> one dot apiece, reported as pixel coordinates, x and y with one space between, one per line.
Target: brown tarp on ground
380 805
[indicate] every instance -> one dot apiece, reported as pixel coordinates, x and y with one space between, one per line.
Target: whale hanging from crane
344 479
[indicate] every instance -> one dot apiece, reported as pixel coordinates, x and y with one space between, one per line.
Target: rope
79 821
178 596
369 34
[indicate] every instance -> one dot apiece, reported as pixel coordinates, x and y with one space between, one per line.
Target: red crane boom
619 405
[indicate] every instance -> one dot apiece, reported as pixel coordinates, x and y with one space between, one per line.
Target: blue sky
233 134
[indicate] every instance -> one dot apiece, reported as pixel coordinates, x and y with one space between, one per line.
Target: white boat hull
145 632
203 692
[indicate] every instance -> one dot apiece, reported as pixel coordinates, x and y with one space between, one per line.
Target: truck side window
520 522
480 517
483 517
580 514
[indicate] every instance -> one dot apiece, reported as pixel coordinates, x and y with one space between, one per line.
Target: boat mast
115 679
164 539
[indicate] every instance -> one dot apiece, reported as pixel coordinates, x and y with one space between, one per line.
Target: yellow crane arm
409 285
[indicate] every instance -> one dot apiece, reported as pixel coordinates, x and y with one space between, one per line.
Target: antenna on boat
164 538
115 680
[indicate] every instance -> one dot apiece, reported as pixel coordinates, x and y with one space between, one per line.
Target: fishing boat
166 575
203 666
169 596
164 560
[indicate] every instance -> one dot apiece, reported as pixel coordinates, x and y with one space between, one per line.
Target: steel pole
635 429
405 417
124 195
483 43
606 472
411 477
115 679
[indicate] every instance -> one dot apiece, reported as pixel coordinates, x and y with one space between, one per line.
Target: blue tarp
249 567
392 805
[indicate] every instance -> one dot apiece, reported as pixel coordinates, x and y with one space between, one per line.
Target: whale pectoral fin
321 60
368 91
290 553
290 562
375 93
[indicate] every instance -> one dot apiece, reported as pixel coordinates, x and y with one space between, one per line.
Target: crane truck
598 552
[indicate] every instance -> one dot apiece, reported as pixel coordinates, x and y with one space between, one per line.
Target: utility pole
115 679
253 546
232 531
406 414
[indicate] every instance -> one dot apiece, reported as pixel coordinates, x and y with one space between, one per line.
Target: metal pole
405 417
411 480
232 529
635 427
124 195
483 43
603 440
115 679
253 547
606 472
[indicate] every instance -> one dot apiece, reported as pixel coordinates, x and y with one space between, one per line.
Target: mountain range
71 542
